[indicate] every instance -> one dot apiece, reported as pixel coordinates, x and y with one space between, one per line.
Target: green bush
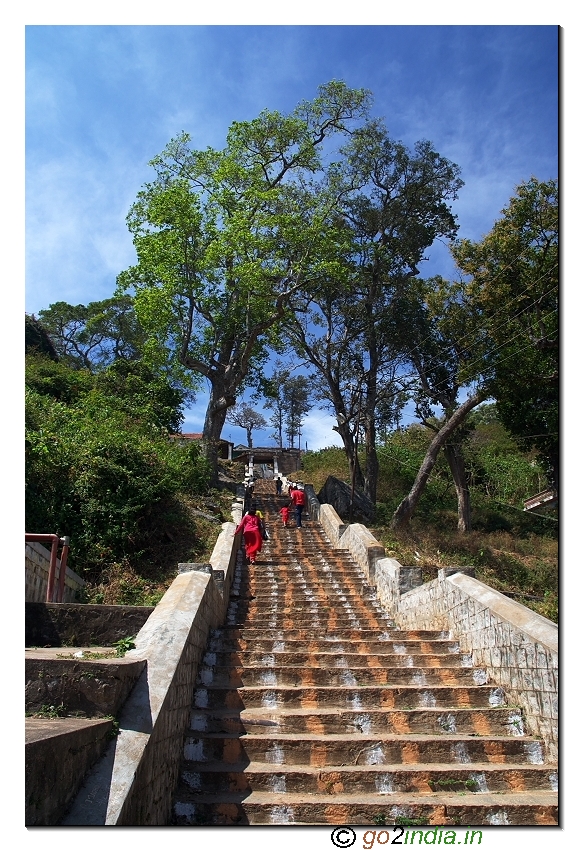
96 471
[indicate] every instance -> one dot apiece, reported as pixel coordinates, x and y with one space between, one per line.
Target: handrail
54 540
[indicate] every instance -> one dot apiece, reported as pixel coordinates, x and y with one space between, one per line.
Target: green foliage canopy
513 289
224 238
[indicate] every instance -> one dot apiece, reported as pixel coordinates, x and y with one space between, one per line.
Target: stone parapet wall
312 502
37 560
364 548
332 525
81 624
517 647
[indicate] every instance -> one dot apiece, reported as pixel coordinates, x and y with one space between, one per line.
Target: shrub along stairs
312 708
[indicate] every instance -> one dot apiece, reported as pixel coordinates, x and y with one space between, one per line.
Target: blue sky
101 101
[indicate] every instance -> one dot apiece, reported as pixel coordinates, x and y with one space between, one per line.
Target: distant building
268 461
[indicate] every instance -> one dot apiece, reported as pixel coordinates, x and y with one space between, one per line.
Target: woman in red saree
250 525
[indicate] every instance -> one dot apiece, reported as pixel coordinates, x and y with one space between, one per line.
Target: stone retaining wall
37 559
77 624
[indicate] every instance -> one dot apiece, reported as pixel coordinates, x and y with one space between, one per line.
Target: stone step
332 614
339 676
431 721
479 778
277 640
285 567
381 749
257 598
58 754
338 616
368 696
251 659
316 624
406 639
301 585
412 811
351 635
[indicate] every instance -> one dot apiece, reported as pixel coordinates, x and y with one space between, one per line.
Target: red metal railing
54 540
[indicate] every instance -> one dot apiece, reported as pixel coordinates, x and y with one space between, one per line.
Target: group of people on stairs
253 523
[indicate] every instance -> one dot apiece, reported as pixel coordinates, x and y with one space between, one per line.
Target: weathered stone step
276 640
254 600
367 696
339 676
312 621
527 809
336 615
301 617
317 580
58 753
430 721
309 568
348 659
351 635
349 750
479 778
406 639
301 584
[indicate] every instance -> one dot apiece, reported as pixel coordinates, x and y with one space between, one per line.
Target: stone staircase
312 708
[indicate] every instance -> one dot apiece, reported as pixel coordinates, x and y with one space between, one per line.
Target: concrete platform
58 753
82 681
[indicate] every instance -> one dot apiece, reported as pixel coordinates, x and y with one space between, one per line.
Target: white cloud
317 431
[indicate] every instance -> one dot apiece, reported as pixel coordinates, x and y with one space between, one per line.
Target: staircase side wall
363 547
134 782
517 647
313 503
331 523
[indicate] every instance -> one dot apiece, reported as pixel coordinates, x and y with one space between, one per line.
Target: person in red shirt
284 515
298 498
250 525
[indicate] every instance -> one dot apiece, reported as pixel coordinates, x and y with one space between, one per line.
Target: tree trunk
219 403
405 510
455 459
354 467
371 475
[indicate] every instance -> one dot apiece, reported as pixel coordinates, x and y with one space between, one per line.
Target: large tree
513 283
407 506
224 238
495 332
395 203
439 345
